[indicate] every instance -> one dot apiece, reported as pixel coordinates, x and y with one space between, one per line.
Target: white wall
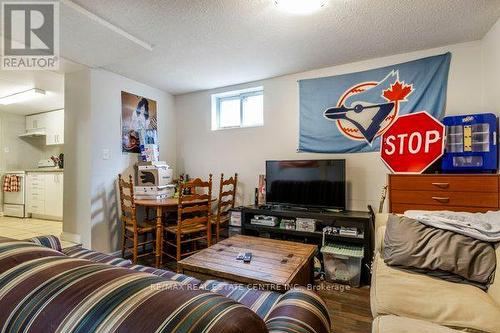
201 150
106 121
77 171
96 125
16 153
491 69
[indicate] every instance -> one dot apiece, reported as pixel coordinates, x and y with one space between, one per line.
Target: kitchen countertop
45 170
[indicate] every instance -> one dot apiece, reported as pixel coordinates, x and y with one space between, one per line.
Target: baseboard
46 217
69 237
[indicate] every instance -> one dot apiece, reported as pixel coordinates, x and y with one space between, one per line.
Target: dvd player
270 221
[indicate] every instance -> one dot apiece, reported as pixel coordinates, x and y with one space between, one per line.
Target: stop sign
412 143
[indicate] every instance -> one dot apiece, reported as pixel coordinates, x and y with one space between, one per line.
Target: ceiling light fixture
21 96
301 7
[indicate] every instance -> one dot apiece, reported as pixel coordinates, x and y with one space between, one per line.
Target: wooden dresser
469 193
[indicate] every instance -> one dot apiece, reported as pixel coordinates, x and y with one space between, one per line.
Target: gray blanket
411 244
482 226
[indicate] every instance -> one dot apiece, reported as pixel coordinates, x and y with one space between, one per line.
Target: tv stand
358 219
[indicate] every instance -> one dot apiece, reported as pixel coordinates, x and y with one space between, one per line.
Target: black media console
361 220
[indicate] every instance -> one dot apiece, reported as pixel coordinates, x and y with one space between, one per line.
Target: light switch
105 154
6 150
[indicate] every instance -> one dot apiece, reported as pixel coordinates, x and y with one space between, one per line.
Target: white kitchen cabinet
55 127
54 194
36 122
35 193
51 123
44 194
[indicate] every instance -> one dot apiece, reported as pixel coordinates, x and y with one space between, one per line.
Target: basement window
238 109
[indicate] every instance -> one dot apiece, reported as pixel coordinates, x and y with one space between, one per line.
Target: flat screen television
306 183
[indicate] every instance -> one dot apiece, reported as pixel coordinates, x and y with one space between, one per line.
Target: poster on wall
138 116
349 113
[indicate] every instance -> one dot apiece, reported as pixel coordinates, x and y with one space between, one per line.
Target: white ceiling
12 82
202 44
52 82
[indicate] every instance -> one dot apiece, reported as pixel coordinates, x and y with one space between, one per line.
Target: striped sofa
83 253
44 288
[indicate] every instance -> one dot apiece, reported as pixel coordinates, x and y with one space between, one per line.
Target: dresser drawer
445 183
403 207
443 199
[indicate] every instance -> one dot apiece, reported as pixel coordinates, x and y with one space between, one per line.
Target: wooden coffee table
275 264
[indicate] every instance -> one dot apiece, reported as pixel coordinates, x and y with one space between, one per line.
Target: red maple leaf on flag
398 92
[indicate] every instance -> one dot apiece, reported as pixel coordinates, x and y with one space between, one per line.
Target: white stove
14 202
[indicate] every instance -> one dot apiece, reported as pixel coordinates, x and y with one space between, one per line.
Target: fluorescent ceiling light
301 7
21 96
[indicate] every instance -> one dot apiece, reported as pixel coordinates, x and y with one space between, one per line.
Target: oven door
16 198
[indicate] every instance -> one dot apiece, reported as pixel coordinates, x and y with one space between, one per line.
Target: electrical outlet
105 154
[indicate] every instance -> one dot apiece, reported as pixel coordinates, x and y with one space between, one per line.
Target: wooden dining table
164 205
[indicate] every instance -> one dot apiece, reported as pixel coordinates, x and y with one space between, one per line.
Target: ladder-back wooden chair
193 220
227 197
132 229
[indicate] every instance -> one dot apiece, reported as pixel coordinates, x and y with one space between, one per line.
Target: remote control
240 256
248 257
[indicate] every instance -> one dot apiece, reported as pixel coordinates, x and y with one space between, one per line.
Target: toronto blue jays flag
348 113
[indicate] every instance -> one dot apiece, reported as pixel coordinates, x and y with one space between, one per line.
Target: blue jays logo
366 110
